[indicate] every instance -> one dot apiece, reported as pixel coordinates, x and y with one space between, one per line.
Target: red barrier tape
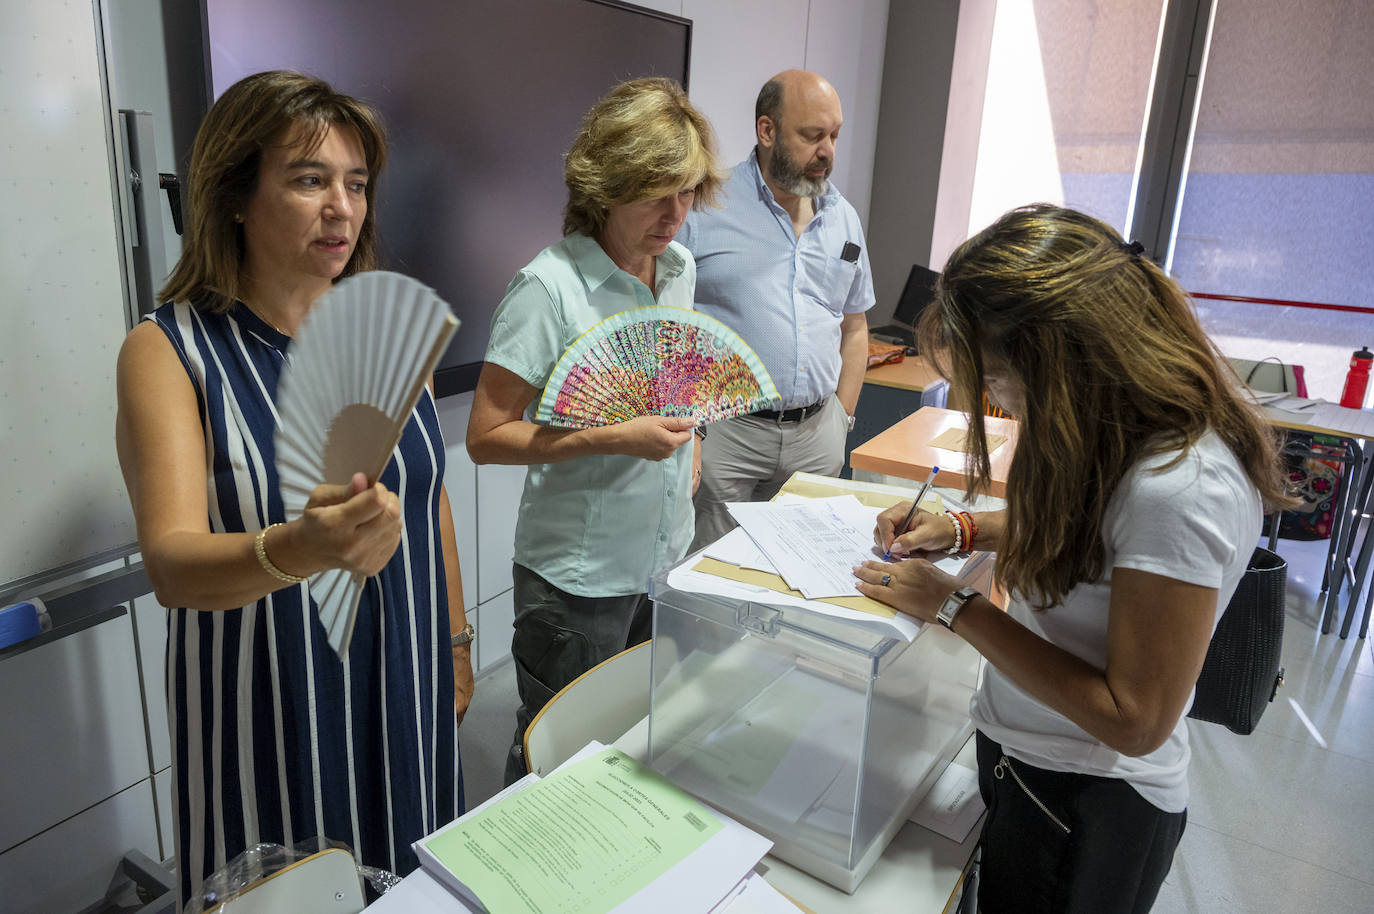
1319 306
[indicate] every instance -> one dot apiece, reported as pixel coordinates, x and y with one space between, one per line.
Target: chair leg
1339 550
1355 513
1368 604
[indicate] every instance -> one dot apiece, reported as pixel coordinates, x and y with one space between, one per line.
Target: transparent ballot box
815 731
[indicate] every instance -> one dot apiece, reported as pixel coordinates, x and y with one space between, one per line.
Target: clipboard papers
735 566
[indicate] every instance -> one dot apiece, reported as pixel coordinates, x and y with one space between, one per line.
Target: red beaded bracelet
971 536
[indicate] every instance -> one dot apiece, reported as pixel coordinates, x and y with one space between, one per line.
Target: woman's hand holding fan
356 369
651 437
352 526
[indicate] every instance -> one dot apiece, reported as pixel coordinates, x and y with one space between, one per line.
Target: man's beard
791 177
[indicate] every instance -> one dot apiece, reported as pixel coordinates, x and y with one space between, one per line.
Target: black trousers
1063 843
558 637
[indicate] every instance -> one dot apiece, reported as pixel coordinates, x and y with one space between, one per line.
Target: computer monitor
916 294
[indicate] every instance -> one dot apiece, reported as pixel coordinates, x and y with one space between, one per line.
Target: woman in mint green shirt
603 508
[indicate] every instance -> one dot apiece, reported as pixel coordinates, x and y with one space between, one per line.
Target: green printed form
582 840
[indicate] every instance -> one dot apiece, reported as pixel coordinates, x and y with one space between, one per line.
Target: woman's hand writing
926 533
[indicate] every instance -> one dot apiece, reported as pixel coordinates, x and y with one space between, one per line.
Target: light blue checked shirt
601 525
785 295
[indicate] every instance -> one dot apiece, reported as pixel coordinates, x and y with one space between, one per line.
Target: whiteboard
63 499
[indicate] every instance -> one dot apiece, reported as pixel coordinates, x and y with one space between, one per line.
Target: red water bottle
1357 378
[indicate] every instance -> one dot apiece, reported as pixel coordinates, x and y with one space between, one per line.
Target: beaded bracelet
972 535
260 549
958 533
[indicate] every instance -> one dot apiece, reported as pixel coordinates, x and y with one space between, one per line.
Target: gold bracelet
260 548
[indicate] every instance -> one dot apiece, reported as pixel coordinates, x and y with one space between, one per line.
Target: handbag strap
1283 374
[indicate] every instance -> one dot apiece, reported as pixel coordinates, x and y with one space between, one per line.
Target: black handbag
1241 674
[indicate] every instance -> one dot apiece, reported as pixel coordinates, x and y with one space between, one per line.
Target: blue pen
920 494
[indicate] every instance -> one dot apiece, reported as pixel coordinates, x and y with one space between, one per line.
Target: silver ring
887 579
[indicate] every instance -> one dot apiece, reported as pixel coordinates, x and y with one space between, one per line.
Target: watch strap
953 605
464 636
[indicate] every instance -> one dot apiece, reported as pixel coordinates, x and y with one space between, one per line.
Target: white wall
62 293
968 89
737 46
907 162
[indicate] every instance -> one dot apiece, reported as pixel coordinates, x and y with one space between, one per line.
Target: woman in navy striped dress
275 738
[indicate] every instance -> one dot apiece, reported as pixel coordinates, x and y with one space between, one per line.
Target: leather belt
796 414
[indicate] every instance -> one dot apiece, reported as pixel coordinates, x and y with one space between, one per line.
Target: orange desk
911 373
904 449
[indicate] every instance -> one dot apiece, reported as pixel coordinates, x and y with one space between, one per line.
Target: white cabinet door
74 725
460 481
494 634
498 503
150 625
68 868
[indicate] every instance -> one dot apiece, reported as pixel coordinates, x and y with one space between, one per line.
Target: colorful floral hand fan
658 361
355 371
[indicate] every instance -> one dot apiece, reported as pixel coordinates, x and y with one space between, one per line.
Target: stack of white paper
814 543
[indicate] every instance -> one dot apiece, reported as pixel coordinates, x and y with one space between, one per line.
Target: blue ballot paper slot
819 733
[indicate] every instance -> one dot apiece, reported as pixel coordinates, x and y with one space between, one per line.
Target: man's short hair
769 102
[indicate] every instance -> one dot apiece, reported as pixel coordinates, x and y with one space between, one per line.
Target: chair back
1271 376
600 704
323 883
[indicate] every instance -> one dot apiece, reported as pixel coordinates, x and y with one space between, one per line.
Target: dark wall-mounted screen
481 100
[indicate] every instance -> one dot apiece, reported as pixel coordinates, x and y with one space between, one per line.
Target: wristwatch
953 604
851 420
465 636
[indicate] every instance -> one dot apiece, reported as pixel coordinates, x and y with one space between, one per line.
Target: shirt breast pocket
839 280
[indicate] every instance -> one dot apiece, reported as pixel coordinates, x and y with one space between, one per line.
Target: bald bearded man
782 262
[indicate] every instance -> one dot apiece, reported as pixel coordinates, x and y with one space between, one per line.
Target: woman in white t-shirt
1134 501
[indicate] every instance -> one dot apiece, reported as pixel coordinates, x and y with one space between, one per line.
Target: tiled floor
1281 820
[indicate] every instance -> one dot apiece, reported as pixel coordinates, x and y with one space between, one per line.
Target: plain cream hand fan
356 369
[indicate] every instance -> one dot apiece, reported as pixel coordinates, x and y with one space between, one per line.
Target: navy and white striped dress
274 738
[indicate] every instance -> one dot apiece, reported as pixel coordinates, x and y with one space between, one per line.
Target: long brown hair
277 107
1113 367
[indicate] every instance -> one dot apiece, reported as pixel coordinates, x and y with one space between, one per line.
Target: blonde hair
274 108
642 140
1113 367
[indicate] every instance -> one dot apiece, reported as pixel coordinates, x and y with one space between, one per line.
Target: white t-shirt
1198 522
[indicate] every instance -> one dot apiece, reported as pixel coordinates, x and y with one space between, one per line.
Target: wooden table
904 450
892 392
911 373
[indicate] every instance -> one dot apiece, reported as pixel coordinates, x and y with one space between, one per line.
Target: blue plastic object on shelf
19 622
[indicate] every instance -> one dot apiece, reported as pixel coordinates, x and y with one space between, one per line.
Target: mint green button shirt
596 526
